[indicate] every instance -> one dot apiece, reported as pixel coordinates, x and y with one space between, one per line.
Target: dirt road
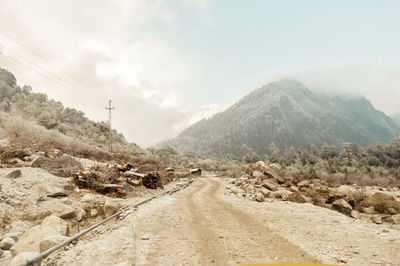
202 225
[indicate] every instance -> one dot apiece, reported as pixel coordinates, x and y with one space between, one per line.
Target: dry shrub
382 203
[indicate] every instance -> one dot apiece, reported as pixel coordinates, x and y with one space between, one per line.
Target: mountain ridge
286 113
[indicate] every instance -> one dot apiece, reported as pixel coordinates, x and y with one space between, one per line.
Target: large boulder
112 206
7 243
296 197
13 235
51 241
270 184
258 175
272 174
57 223
59 209
30 240
258 166
23 257
55 191
61 166
342 206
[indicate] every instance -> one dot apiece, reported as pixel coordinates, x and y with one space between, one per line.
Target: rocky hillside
21 109
288 114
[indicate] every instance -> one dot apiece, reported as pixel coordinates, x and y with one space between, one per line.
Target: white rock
59 209
23 257
50 242
376 219
7 243
111 206
30 240
14 235
259 197
57 223
93 212
80 214
355 214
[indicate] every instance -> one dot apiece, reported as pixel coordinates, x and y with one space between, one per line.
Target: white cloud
201 4
113 49
205 112
378 81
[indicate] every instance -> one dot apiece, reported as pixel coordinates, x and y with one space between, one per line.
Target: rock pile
262 182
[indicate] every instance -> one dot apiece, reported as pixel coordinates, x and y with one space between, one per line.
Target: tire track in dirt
209 244
254 241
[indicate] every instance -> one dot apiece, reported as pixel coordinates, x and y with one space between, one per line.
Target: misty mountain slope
23 104
396 119
288 114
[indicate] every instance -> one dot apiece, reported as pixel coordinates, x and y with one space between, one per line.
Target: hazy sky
166 64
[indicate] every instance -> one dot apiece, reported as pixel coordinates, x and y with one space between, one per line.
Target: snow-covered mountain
289 114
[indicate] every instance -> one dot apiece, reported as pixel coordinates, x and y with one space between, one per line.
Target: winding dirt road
199 225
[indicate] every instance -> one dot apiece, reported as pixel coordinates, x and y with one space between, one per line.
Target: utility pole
109 108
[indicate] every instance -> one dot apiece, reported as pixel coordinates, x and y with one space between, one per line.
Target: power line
44 75
43 59
56 77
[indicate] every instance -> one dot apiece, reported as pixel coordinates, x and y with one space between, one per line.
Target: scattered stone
94 212
270 185
111 206
79 214
23 257
259 197
236 190
13 235
258 174
355 214
296 197
14 174
51 241
272 174
7 243
283 195
304 183
376 219
342 206
388 219
368 210
57 223
145 238
250 189
396 218
258 166
265 191
275 167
